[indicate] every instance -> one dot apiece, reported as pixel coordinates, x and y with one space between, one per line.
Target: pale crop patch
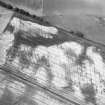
25 48
58 71
59 83
16 63
77 92
97 60
38 53
59 76
41 76
27 25
75 47
28 71
56 56
15 22
6 41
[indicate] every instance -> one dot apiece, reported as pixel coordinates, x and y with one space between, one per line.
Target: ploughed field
64 69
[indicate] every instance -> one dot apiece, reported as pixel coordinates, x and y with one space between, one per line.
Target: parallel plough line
55 59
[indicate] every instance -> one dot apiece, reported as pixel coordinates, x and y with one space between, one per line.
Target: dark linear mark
40 20
27 16
25 80
22 37
20 12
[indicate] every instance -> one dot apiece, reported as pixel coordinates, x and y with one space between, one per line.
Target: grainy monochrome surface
5 16
14 91
32 6
87 16
42 64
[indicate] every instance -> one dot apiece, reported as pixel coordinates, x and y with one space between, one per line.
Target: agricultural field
43 64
